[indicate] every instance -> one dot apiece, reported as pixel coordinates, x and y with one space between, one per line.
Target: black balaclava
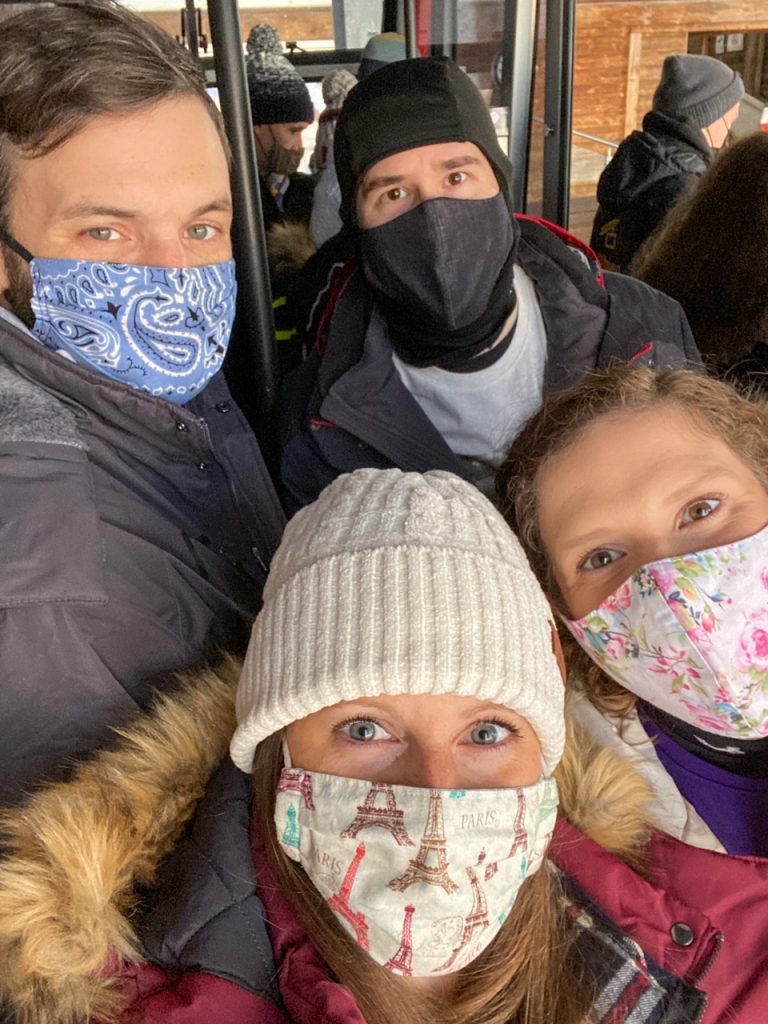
403 106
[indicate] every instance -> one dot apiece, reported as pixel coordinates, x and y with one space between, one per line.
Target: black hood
407 104
664 149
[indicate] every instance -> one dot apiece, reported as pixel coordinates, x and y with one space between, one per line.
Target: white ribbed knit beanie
394 583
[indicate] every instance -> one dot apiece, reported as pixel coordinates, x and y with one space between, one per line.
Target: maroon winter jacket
723 951
703 915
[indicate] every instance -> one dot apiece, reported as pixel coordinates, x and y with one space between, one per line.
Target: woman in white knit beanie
400 714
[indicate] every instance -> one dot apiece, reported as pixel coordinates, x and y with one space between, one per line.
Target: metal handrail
583 135
596 138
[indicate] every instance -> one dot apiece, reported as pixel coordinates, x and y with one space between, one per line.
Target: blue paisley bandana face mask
163 330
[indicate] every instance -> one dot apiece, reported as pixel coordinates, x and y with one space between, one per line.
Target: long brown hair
711 254
528 975
714 406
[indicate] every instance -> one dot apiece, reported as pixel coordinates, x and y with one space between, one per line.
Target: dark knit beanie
278 93
408 104
697 90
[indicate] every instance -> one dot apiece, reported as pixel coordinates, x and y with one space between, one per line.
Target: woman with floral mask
400 714
642 502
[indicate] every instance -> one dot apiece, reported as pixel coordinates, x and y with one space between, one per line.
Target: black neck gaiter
748 758
442 275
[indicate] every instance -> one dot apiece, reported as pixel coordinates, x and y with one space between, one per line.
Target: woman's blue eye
487 733
364 730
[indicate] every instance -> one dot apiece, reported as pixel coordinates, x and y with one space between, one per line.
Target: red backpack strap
572 242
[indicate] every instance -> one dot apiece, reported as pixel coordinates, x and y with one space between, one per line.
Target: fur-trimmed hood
77 851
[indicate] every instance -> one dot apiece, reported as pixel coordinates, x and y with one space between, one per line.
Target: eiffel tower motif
430 864
370 814
400 963
296 780
339 902
291 831
520 838
477 919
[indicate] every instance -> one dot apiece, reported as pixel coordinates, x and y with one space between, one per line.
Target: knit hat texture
277 91
408 104
380 50
336 85
697 90
395 583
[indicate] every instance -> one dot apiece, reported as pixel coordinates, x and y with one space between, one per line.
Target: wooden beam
634 56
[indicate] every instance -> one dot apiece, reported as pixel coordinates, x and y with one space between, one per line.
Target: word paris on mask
422 879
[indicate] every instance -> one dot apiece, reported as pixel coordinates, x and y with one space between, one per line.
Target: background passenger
400 713
138 518
439 321
325 221
642 502
281 108
694 106
712 256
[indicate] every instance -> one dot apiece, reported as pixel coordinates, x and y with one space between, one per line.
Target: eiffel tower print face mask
422 879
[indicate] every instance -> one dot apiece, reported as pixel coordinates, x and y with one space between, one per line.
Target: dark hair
713 406
62 65
711 254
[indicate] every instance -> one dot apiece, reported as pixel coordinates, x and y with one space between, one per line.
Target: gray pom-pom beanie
396 583
276 89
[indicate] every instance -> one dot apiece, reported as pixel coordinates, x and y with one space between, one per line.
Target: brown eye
394 194
700 509
457 178
599 559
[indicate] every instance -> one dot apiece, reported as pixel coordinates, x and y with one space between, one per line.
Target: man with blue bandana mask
137 514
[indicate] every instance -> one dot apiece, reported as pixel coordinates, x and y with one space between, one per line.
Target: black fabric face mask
443 277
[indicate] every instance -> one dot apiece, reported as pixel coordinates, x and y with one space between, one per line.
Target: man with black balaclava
444 320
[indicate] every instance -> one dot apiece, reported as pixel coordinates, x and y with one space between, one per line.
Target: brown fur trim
77 849
605 797
289 246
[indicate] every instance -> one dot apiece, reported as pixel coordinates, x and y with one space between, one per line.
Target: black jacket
346 407
135 532
646 177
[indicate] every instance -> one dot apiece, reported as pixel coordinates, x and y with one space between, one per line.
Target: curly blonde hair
715 407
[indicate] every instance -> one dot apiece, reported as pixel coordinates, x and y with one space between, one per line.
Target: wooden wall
620 48
292 23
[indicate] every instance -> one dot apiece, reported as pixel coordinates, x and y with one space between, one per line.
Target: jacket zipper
696 981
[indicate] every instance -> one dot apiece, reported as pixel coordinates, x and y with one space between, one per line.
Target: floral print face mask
422 879
689 635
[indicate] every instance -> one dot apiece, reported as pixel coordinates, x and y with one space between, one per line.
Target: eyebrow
394 179
220 205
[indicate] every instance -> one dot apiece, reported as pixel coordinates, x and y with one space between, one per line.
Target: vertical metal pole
558 111
444 32
339 24
518 66
389 16
251 362
409 24
193 41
